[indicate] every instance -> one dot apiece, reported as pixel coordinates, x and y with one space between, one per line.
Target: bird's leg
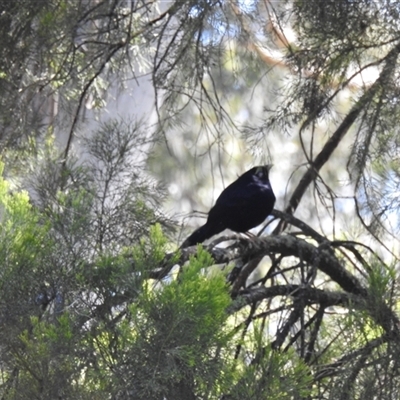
250 235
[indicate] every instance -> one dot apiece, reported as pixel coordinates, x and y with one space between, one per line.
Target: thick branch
318 257
248 249
256 294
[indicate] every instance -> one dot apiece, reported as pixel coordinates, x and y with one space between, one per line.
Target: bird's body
243 205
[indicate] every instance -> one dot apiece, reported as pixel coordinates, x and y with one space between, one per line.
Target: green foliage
22 235
75 331
52 290
174 335
151 250
275 376
381 279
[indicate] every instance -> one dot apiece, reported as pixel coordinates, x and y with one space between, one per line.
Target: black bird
243 205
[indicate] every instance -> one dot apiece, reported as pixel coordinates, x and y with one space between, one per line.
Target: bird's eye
260 172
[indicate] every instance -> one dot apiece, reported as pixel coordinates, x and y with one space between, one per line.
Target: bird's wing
237 195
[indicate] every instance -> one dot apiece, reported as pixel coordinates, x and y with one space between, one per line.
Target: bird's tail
198 236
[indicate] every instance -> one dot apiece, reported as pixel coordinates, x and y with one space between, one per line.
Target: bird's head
262 171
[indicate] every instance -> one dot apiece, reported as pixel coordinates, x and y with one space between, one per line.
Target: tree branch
339 134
